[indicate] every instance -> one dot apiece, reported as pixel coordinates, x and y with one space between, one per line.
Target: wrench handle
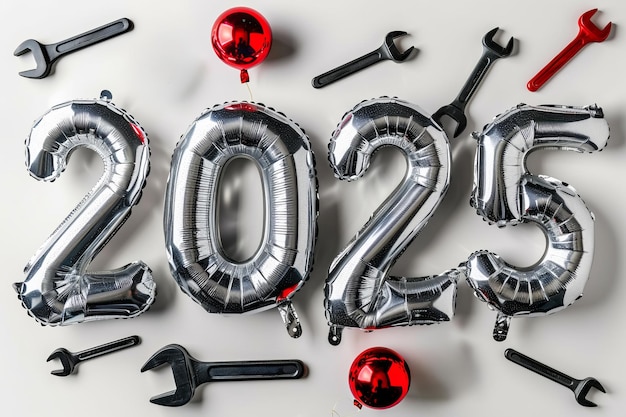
108 348
474 80
346 69
91 37
539 368
248 370
557 63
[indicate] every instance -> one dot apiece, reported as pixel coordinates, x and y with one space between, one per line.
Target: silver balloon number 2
284 259
359 292
58 289
506 193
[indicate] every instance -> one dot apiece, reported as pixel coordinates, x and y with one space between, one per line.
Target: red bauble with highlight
379 378
241 38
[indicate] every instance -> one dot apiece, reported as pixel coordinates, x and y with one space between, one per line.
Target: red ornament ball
241 38
379 378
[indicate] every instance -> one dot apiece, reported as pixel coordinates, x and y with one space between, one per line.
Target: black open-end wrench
388 50
69 360
46 55
456 109
189 373
579 387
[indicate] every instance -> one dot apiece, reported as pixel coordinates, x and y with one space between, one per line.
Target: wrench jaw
583 389
455 114
594 33
172 398
177 357
42 68
64 356
501 52
392 51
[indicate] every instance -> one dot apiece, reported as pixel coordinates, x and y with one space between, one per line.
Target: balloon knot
244 76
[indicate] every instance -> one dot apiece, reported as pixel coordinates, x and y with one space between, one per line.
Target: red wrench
587 32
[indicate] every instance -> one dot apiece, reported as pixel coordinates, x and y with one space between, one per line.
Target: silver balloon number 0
58 289
359 292
506 193
284 258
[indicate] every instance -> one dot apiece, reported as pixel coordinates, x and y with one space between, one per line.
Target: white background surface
165 73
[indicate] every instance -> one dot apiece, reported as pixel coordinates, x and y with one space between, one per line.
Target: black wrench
69 360
189 372
580 387
388 50
456 109
46 55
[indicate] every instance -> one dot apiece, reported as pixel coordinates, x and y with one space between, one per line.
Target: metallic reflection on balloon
58 289
506 193
242 38
359 292
282 263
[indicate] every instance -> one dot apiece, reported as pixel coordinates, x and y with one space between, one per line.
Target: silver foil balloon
58 289
359 292
506 193
284 259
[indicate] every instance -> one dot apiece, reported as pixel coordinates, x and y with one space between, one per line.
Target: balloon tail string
249 91
335 413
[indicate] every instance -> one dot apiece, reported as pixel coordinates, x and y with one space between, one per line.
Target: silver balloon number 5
284 258
359 292
506 193
58 290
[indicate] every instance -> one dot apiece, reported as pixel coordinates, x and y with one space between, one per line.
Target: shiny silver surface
506 193
283 261
58 289
506 142
359 292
